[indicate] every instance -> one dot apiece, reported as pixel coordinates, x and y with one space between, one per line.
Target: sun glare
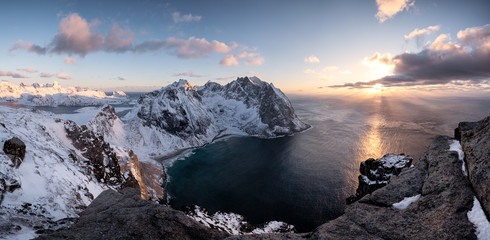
377 88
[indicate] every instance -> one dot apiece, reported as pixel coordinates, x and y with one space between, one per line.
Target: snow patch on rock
456 146
405 202
478 218
235 223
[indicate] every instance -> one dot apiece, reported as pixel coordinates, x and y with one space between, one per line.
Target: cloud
118 40
418 33
182 48
312 59
121 78
245 58
77 36
45 75
185 18
187 74
389 8
194 47
62 75
12 74
28 47
442 62
229 60
71 61
29 70
330 68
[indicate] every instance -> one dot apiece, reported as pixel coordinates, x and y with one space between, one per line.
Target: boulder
124 215
16 150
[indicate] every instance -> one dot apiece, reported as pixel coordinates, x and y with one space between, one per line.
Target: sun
377 88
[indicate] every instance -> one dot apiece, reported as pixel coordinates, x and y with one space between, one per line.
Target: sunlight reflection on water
304 179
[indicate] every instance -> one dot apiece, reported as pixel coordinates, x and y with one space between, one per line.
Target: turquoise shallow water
304 179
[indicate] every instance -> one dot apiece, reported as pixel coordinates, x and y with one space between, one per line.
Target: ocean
304 179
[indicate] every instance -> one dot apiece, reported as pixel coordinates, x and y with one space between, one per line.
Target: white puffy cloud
62 75
118 40
441 62
229 60
389 8
45 75
417 33
245 58
12 74
77 36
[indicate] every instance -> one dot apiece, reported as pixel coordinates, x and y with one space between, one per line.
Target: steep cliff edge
475 141
434 199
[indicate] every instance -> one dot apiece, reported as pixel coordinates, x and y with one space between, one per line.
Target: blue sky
300 46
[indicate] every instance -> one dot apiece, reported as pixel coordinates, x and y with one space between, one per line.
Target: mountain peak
182 83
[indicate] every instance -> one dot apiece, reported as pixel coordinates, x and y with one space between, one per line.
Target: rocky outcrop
9 181
125 215
475 141
102 160
376 173
16 150
439 213
150 176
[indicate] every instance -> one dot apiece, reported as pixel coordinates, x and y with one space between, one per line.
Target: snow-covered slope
180 116
58 178
55 95
66 165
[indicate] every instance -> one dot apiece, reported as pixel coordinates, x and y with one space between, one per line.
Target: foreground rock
376 174
475 141
125 215
430 200
440 212
16 150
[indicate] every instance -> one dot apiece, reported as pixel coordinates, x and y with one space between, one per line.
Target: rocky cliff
437 198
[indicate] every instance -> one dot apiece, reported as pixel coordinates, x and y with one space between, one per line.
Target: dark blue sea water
304 179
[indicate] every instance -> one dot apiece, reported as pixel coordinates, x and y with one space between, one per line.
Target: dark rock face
475 141
376 174
102 160
273 106
176 108
125 215
439 213
16 150
8 183
275 110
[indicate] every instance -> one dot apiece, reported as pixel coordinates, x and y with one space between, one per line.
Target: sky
300 46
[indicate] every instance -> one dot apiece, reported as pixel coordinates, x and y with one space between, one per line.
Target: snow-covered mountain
55 95
253 106
181 116
64 168
66 165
